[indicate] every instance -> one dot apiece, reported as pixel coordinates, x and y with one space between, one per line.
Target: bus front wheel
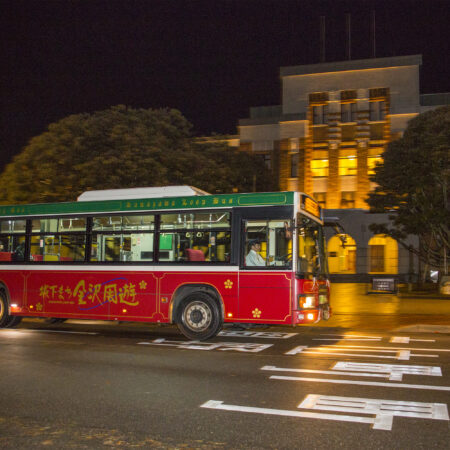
199 317
6 321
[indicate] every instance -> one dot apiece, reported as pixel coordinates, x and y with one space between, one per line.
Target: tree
413 187
120 148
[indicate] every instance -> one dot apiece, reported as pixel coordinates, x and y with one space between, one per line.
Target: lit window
348 166
348 199
319 168
372 161
321 198
320 114
348 112
377 111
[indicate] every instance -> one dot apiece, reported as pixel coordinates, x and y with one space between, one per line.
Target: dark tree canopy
413 186
121 148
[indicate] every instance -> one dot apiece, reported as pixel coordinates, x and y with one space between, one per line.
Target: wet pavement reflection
354 306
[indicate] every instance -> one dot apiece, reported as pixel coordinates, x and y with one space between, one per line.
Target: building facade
325 139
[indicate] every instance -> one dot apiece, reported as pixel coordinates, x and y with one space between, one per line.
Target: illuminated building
326 137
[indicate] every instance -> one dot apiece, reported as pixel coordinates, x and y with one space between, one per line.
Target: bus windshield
311 250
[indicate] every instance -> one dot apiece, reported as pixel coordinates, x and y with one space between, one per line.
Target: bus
173 255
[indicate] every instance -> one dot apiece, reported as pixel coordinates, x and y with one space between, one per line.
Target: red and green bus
165 255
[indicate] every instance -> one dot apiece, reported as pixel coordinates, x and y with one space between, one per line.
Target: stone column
334 141
362 142
284 164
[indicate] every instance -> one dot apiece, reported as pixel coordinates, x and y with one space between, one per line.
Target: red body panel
146 296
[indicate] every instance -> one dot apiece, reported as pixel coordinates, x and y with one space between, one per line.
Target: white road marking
347 339
257 334
248 347
217 404
325 372
394 372
389 371
344 336
384 410
363 383
399 355
48 331
407 340
394 348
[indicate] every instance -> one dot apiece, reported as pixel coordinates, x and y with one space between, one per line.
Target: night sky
210 59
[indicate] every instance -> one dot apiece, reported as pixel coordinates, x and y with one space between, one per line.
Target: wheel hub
197 316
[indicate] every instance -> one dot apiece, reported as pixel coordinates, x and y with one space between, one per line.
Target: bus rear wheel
199 318
6 320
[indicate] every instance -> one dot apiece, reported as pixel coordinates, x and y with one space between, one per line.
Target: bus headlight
306 302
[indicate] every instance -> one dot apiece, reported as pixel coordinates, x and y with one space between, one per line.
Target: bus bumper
305 316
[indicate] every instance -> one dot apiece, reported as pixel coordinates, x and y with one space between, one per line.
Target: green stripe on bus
166 203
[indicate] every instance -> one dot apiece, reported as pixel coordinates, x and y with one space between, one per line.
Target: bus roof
151 204
140 192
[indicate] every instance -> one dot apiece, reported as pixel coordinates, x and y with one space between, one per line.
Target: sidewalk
353 307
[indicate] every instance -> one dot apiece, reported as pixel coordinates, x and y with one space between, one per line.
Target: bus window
275 239
123 238
13 226
57 247
311 252
199 237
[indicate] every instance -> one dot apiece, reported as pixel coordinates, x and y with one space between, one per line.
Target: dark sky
210 59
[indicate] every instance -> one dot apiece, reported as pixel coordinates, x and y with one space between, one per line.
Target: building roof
357 64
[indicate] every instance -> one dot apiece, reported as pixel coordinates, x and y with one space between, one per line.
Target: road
98 385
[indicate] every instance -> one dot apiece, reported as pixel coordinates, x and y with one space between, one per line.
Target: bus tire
6 320
199 316
13 321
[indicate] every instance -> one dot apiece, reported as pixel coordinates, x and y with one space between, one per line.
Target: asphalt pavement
368 378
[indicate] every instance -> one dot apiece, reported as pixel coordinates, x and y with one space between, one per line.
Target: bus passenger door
265 279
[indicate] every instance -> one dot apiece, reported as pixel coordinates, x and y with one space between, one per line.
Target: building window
348 199
320 114
376 258
294 165
348 112
293 144
319 168
262 146
372 161
348 166
267 160
377 111
321 198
